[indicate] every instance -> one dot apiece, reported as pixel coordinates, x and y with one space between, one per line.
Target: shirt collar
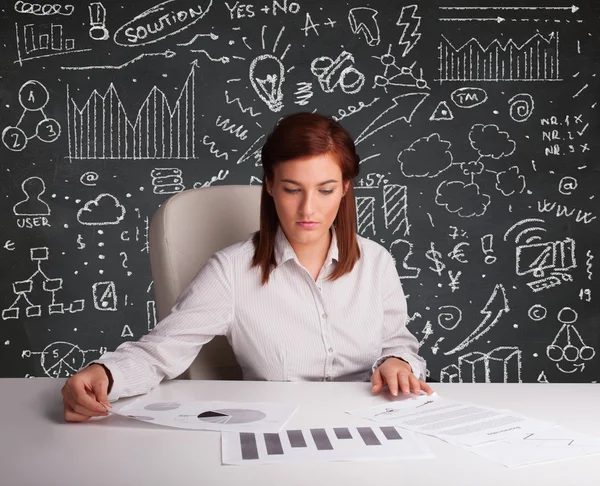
285 252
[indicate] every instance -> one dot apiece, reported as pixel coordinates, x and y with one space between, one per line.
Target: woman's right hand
84 394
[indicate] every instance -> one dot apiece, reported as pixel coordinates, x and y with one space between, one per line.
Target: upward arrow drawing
493 310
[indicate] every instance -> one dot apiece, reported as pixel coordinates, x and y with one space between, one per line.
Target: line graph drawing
101 128
248 110
537 59
23 289
168 54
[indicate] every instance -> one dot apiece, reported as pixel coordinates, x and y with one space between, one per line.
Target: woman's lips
307 224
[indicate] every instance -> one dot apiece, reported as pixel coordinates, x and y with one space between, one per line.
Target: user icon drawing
32 205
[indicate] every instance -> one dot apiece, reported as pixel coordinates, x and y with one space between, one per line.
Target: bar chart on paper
321 445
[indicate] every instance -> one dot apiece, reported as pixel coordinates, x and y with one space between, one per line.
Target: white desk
38 448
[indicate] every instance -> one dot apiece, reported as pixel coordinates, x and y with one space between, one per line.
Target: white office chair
185 231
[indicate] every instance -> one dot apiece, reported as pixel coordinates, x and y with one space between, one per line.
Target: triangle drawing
442 112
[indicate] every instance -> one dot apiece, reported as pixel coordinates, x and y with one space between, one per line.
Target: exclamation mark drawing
98 30
487 243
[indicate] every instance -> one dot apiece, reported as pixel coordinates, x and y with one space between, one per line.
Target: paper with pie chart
210 415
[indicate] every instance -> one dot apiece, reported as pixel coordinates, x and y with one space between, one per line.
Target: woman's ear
346 186
269 186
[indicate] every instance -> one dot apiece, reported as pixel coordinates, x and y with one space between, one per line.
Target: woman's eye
291 191
326 192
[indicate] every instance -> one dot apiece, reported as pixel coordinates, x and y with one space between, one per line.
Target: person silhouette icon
32 205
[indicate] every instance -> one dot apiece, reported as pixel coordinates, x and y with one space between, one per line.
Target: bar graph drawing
537 59
35 41
101 128
321 444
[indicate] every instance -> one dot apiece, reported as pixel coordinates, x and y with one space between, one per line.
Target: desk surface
37 447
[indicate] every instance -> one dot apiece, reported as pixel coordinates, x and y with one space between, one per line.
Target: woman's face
307 194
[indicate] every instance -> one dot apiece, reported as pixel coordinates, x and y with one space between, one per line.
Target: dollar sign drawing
435 256
80 243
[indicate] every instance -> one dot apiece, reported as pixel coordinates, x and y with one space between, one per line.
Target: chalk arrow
577 367
362 20
404 108
572 8
485 19
493 310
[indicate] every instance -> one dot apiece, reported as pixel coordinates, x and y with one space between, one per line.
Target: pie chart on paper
231 416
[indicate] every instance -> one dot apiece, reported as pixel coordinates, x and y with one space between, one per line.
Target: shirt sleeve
203 310
397 340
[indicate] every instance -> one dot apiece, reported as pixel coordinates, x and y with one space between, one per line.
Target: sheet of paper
455 422
554 444
323 444
210 415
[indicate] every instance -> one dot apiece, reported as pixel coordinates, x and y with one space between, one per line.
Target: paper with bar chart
210 415
325 444
455 422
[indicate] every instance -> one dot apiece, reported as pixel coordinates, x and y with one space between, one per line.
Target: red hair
302 135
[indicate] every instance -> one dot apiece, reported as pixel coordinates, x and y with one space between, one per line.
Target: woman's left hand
397 374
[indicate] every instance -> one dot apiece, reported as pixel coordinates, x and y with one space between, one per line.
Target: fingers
403 380
426 388
80 401
71 415
391 379
99 388
376 381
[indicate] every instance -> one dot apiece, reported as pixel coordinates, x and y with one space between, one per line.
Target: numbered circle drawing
62 359
231 416
48 130
33 95
14 138
162 406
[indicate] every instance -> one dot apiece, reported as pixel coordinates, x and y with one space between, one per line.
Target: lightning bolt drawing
411 24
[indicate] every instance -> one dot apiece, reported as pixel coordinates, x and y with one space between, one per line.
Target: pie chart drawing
231 416
162 406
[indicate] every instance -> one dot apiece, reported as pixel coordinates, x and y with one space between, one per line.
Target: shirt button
324 315
330 350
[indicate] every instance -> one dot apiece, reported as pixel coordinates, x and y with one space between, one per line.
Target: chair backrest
185 231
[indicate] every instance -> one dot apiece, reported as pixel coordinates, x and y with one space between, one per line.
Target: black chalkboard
477 127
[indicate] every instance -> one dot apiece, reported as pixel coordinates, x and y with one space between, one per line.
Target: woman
305 298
